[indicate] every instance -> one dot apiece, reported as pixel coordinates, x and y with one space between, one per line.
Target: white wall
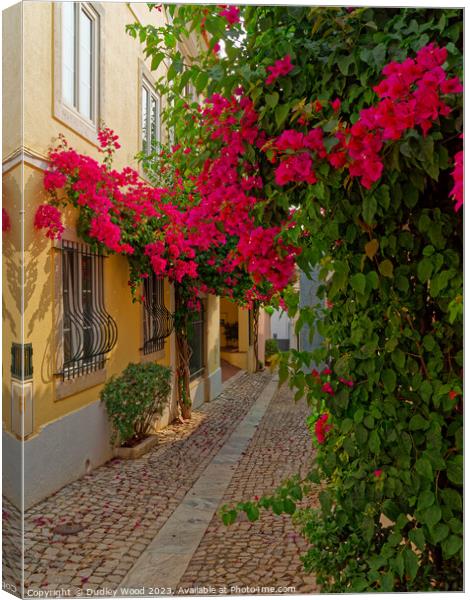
280 325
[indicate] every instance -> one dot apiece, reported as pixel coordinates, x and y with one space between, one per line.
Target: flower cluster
410 96
298 166
457 175
322 427
48 217
281 67
231 13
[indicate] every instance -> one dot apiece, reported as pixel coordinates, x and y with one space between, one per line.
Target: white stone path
161 566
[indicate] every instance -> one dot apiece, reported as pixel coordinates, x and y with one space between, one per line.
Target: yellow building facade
67 67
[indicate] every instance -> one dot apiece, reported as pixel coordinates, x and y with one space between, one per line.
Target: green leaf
156 60
418 422
201 81
374 442
452 498
281 112
289 506
411 563
439 532
391 510
386 268
424 468
451 545
358 282
426 499
369 208
425 268
252 512
432 515
272 99
373 279
417 537
400 565
389 380
378 54
455 470
343 63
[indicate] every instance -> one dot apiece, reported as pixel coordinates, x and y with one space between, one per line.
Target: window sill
153 356
75 121
63 389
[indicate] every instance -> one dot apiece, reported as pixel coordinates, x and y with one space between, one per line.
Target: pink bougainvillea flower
457 175
322 428
451 86
347 382
280 68
298 167
327 371
336 105
326 387
231 14
431 56
453 394
378 472
290 140
49 217
54 180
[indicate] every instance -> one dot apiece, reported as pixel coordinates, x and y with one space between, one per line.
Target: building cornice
23 154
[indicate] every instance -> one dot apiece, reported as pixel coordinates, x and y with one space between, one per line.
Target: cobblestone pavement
265 553
123 504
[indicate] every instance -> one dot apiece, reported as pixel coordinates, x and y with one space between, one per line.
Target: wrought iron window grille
158 321
89 331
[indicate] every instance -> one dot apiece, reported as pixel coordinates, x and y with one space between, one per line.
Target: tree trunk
255 334
183 351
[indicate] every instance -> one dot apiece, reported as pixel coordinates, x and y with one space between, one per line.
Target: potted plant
133 401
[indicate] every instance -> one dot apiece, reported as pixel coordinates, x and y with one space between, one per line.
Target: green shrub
135 398
270 348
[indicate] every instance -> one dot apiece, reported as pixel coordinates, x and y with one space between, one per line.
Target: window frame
147 84
63 110
67 387
147 319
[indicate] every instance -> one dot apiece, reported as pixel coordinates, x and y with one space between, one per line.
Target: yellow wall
212 332
40 310
11 78
121 69
11 280
119 77
120 111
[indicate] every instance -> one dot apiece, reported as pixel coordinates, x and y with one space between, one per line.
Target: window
196 342
79 58
89 332
150 118
158 322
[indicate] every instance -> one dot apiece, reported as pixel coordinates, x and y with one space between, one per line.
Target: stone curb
164 562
